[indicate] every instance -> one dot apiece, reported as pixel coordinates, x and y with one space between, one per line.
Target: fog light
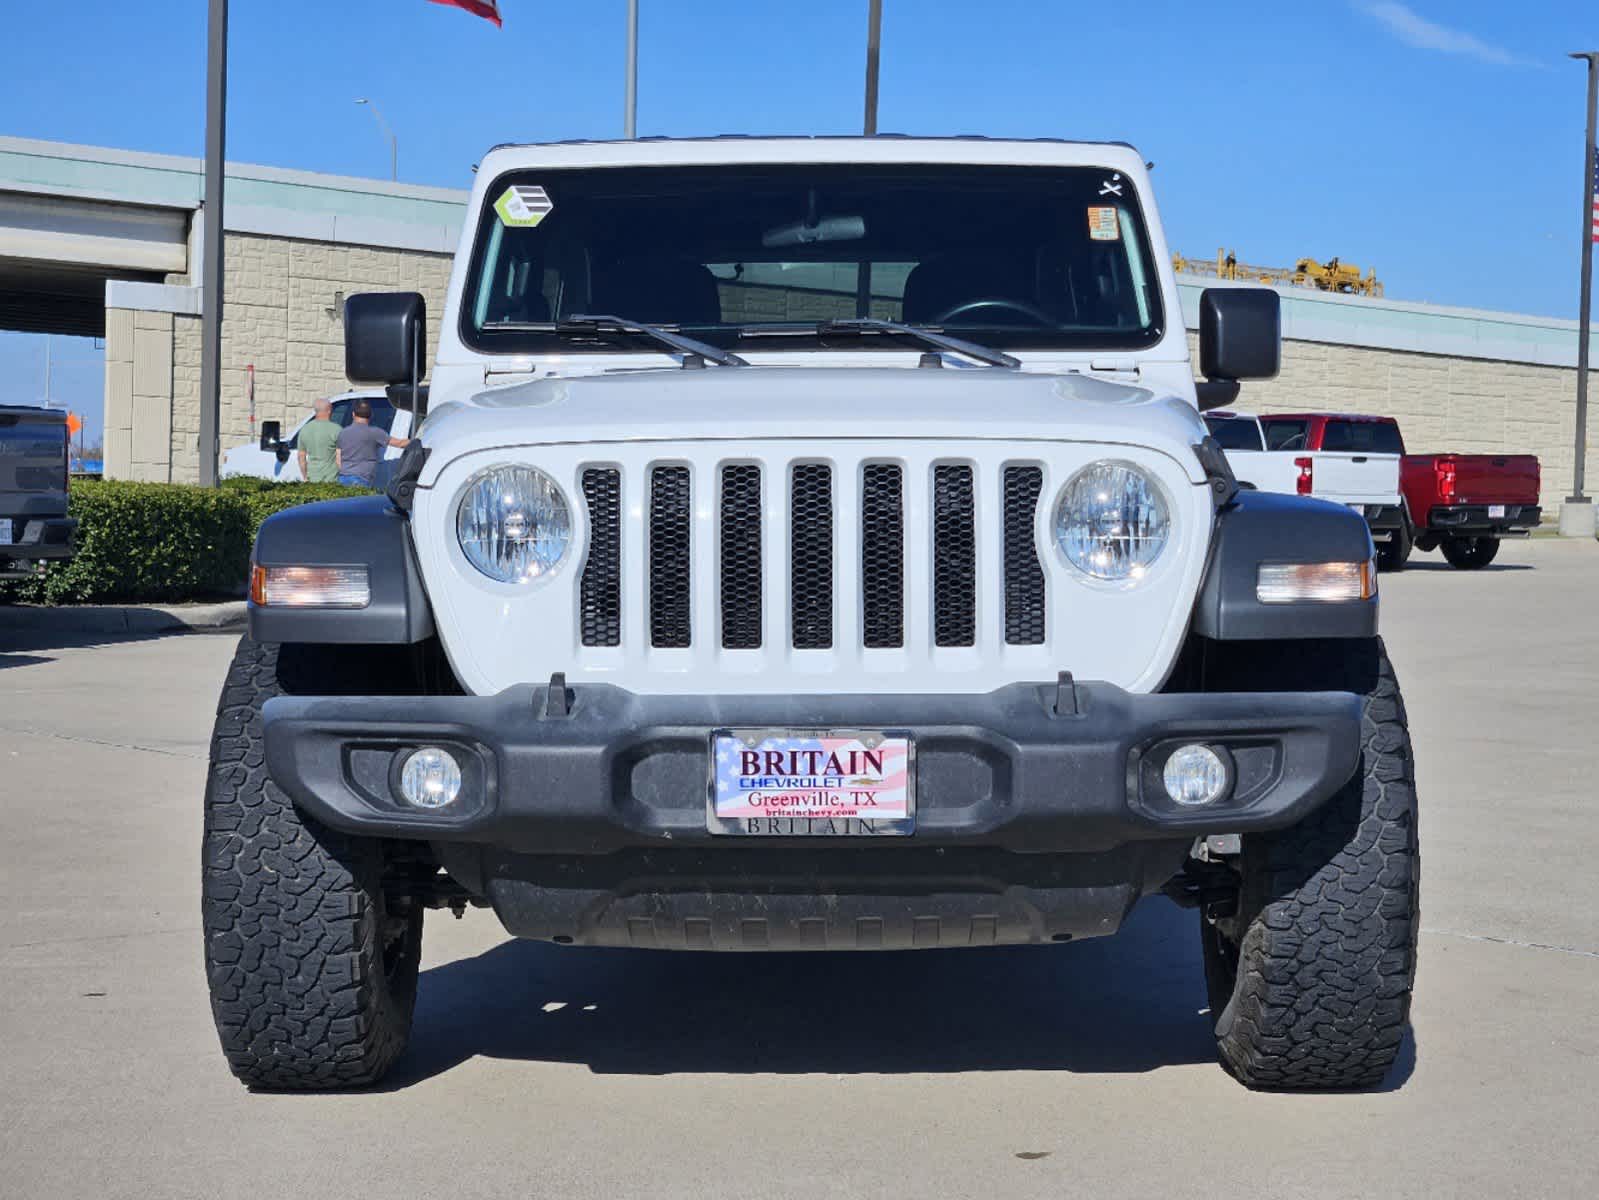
431 778
1195 775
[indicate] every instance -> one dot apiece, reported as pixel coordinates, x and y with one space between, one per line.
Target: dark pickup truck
1462 504
34 525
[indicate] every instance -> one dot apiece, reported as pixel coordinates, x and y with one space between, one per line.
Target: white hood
757 403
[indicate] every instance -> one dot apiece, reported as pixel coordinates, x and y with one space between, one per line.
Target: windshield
1023 258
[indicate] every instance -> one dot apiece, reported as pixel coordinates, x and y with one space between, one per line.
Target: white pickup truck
812 544
1265 458
273 456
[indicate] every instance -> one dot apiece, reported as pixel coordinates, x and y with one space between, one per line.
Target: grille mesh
811 557
600 591
741 557
1024 574
882 556
954 557
670 513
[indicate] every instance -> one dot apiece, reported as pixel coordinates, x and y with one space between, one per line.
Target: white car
1367 481
813 544
275 457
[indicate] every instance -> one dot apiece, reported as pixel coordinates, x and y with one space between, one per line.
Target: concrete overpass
106 243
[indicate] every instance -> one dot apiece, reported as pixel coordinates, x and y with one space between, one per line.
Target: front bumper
38 539
617 770
1478 519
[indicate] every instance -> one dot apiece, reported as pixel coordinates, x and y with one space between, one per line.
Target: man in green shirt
318 440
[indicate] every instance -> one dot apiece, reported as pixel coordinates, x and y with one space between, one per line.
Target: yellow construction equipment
1330 276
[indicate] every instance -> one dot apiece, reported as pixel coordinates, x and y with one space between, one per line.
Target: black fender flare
1268 527
366 531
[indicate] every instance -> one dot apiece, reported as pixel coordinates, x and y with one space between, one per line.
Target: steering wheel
1036 315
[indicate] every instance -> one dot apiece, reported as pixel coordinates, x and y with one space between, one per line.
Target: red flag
487 9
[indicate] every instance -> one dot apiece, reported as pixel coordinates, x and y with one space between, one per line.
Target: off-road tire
1470 553
312 968
1310 977
1393 554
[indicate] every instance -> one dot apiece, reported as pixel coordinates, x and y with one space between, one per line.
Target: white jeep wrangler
812 544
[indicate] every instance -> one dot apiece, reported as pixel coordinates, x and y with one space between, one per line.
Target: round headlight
1112 521
513 524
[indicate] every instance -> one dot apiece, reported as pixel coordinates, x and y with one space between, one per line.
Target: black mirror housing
1240 333
271 434
385 337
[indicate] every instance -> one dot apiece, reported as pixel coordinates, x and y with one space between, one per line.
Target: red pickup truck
1462 504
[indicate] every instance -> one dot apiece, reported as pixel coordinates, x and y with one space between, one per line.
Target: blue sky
1437 140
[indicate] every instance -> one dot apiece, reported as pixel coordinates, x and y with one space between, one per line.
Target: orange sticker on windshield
1103 225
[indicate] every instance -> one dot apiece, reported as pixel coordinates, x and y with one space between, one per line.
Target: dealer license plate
6 536
811 783
1495 511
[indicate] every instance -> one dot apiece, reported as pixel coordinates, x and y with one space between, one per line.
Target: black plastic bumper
38 539
1385 520
1478 519
620 770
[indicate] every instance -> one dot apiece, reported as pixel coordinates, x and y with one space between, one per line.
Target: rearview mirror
828 229
271 434
385 337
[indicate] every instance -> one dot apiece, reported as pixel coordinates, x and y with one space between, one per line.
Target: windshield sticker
523 205
1112 186
1103 225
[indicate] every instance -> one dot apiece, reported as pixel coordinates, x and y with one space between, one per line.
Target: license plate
6 535
811 783
1495 511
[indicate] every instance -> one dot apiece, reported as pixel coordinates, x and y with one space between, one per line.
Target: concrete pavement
1078 1070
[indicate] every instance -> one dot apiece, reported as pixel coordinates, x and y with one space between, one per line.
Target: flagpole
630 97
216 116
1581 521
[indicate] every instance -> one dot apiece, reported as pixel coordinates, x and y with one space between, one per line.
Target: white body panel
249 459
629 411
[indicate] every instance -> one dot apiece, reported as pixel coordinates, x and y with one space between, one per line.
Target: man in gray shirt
361 447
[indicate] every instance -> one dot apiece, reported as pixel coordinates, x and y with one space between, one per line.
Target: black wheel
1393 554
312 965
1470 553
1310 972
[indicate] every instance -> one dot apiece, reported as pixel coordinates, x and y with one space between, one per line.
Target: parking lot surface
1036 1072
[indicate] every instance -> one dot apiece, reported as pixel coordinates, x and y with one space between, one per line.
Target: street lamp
394 142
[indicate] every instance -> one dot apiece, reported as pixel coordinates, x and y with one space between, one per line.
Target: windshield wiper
940 341
597 323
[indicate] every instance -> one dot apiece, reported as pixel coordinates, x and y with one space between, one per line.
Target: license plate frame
839 818
1496 512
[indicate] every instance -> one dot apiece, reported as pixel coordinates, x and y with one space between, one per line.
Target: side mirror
385 337
411 398
271 434
1240 337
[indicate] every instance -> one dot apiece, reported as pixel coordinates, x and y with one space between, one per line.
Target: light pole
874 37
630 88
394 142
216 118
1580 521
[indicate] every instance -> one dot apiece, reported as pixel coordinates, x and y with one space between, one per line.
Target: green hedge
163 542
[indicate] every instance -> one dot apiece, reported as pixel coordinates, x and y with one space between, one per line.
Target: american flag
487 9
1596 196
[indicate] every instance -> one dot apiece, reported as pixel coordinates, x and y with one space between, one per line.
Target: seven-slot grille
796 508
